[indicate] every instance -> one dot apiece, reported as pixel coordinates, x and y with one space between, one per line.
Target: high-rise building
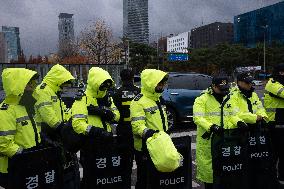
66 31
12 37
135 20
3 49
179 43
254 27
211 35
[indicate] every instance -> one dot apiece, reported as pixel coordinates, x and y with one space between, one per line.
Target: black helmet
126 75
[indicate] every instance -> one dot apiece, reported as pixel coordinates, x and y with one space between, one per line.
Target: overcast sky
38 19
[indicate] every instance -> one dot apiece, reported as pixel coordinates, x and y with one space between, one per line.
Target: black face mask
28 101
247 93
159 90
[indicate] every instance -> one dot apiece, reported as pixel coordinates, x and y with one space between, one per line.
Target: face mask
224 92
247 93
159 90
28 101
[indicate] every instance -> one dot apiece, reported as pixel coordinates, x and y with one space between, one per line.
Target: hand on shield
242 126
100 133
148 133
216 129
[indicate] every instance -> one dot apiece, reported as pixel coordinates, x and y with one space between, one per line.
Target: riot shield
106 164
38 168
229 160
262 173
178 179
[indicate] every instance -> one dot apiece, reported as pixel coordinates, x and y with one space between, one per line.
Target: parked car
180 93
257 82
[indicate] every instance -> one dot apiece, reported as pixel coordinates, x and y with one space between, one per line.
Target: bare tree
68 48
97 43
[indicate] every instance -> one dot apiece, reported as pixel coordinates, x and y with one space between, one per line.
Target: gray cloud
38 19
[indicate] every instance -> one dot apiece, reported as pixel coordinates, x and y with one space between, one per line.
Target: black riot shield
178 179
106 164
262 173
37 168
229 160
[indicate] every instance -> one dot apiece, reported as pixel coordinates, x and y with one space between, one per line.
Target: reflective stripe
230 113
20 119
279 126
88 128
6 133
56 124
207 114
151 109
138 118
270 109
213 114
54 98
280 91
127 119
43 104
126 103
79 116
198 114
114 108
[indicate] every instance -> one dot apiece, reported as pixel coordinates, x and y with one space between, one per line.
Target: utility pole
264 56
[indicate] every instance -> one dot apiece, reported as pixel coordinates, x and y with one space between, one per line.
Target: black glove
107 115
216 129
99 133
149 133
94 110
242 126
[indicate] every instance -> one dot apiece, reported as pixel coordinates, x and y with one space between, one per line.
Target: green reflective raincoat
144 109
16 130
49 108
256 106
81 121
274 101
206 112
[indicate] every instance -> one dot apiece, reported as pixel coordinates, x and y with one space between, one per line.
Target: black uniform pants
141 171
278 145
4 180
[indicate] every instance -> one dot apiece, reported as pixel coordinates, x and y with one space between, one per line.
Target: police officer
18 130
207 115
250 107
274 105
147 116
122 98
51 114
93 113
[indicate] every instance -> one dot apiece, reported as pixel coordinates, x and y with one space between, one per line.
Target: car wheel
171 114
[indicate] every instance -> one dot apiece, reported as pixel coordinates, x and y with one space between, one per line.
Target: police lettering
259 154
171 181
110 180
230 168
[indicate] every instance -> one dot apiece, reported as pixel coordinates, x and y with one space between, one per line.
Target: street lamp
264 27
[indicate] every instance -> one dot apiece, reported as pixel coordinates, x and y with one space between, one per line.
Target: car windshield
191 82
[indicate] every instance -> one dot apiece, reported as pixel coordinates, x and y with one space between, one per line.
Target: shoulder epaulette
137 97
4 106
42 86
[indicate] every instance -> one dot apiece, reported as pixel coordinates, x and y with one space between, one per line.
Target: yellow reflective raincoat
274 101
206 112
81 121
244 113
49 108
16 130
144 109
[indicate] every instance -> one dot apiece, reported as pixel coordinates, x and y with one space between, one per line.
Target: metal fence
79 71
